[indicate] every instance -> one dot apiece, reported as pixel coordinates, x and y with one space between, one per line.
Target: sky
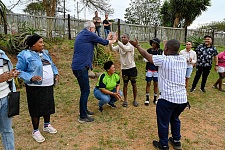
214 13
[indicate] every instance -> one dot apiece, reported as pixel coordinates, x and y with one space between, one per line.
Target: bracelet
137 45
216 65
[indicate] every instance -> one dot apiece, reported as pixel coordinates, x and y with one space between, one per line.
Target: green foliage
16 42
35 8
19 82
218 25
144 12
167 14
100 55
183 12
196 40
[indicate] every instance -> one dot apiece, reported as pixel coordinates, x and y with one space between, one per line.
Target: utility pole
77 11
64 9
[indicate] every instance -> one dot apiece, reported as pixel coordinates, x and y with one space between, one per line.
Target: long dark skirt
40 100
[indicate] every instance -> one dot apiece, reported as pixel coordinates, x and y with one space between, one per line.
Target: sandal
135 103
222 90
124 104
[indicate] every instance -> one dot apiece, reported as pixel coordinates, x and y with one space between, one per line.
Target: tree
3 18
50 7
183 11
145 12
167 14
35 8
218 25
99 5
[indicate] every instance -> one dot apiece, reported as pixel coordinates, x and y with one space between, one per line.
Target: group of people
39 74
106 23
169 70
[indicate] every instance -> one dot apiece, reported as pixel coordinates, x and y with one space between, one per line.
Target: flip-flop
222 90
124 104
135 103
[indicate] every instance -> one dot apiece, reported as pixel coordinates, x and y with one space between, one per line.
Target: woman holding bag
7 73
39 73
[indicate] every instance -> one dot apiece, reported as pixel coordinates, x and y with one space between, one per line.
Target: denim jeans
104 98
168 112
98 30
83 80
6 125
106 33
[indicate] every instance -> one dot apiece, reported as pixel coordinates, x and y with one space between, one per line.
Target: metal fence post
69 30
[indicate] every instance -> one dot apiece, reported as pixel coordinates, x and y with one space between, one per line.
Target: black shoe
176 145
155 101
192 90
157 145
146 102
100 108
203 90
112 105
89 113
86 119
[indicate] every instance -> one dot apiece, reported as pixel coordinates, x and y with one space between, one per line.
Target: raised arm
142 51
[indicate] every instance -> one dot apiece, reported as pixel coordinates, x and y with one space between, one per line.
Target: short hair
108 65
207 36
127 35
88 24
190 42
173 45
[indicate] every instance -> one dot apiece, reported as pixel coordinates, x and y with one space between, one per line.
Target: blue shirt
29 64
84 49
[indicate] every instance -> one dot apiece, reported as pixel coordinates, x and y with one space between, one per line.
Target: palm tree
3 19
188 10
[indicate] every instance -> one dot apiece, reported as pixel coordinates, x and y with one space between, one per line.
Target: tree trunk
176 22
50 7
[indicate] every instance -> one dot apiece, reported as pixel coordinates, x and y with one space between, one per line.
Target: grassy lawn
122 128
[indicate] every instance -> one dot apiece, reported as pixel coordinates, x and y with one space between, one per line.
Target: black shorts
129 74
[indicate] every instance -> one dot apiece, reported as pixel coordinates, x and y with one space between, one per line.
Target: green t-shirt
108 82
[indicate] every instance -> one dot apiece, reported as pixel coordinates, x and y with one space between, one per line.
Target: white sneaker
50 129
38 137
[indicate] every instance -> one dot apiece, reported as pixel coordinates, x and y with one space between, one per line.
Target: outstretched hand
134 43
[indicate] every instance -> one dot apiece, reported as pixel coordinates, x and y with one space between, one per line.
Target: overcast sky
214 13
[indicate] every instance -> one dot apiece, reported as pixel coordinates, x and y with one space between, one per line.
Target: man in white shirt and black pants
172 99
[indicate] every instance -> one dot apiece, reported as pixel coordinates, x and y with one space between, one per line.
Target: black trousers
204 71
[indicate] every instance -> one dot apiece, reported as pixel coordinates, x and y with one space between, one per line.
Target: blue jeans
98 30
106 33
168 112
83 80
104 98
6 125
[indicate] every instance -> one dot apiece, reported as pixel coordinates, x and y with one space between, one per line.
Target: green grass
120 128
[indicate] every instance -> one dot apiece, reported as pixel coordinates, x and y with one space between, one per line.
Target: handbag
13 104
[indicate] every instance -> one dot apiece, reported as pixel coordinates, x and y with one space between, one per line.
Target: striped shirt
171 79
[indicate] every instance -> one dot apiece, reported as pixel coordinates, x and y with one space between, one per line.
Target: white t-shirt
126 55
48 76
171 77
189 54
